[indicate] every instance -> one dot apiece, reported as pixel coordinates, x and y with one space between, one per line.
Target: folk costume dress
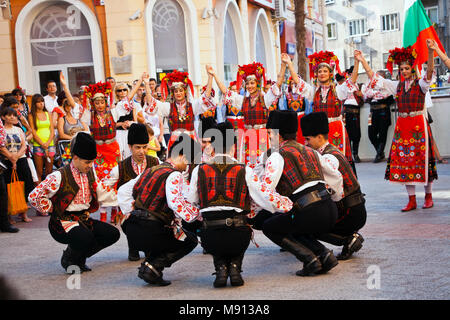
181 116
411 159
295 102
256 111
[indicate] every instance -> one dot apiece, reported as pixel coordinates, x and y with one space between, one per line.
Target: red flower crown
92 89
256 69
399 55
174 77
322 57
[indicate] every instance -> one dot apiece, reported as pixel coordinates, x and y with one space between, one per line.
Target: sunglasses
120 90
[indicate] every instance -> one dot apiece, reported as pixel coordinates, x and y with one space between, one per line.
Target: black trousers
158 239
226 244
351 220
317 218
4 223
23 174
84 240
381 120
353 126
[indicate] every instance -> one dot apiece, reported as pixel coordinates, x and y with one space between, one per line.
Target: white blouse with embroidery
174 195
40 197
308 91
235 99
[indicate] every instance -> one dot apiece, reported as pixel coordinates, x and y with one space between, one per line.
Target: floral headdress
327 57
99 87
232 83
255 69
399 55
172 80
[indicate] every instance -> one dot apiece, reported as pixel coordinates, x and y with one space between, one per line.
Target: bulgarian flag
417 29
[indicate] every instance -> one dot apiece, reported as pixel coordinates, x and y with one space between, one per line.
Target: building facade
91 40
374 27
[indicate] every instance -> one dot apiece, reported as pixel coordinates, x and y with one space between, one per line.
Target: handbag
16 195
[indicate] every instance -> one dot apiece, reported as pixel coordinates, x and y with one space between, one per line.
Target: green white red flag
417 29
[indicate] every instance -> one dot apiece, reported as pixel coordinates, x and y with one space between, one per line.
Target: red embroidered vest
301 165
295 104
176 123
332 107
413 100
106 132
68 189
223 185
254 115
149 191
351 183
126 171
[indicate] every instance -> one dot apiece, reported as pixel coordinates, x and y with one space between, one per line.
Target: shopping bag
16 195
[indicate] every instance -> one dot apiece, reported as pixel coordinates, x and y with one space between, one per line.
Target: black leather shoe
133 255
328 261
83 266
356 158
310 268
221 276
235 276
10 229
70 258
152 275
354 244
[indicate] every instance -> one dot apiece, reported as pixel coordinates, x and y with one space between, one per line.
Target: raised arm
66 90
219 83
287 62
434 46
430 62
136 86
360 57
355 67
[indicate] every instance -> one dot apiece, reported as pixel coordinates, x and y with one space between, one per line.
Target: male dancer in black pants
351 209
153 223
71 194
301 174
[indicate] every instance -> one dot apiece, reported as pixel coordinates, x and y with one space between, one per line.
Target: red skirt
238 125
253 143
108 156
411 158
175 134
338 137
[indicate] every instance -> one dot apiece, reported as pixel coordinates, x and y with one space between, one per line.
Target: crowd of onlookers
38 129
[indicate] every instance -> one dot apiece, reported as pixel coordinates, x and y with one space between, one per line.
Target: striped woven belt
411 114
334 119
100 142
256 126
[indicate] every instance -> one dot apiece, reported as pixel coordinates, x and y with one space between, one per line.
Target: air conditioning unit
357 39
280 10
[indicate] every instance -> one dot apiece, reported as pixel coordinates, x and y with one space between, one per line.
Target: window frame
364 33
382 17
334 37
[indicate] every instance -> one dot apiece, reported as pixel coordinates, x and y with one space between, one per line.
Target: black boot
72 257
133 254
235 272
355 147
380 153
82 265
311 263
328 261
353 244
326 256
152 274
221 272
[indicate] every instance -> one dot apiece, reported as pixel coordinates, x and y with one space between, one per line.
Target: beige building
90 40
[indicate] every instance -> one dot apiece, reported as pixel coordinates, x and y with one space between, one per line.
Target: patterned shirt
2 135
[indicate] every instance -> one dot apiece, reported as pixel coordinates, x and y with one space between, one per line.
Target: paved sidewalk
405 256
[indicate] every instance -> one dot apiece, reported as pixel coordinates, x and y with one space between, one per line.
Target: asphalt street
404 256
